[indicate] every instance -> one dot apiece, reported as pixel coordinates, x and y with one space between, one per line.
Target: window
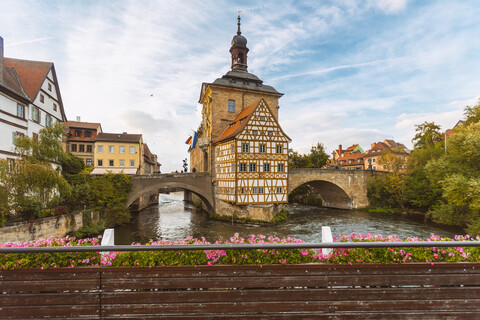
78 133
132 163
81 148
231 105
253 167
245 147
49 87
254 190
88 133
20 111
374 167
111 149
260 190
15 136
218 152
243 167
281 167
35 136
373 160
279 148
42 98
122 163
74 148
262 118
89 148
100 149
232 191
48 120
242 190
35 114
89 162
232 148
270 133
99 163
233 168
255 132
122 149
266 167
132 149
111 163
54 107
263 148
279 190
10 164
379 150
384 167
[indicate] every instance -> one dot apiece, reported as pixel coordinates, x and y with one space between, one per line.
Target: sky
350 71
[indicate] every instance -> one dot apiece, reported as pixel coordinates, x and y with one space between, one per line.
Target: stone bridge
148 186
344 189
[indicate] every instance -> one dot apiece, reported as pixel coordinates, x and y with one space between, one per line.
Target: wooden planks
308 291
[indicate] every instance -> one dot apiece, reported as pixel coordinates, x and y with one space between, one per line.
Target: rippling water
174 219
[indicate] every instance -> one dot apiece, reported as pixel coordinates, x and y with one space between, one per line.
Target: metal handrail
269 246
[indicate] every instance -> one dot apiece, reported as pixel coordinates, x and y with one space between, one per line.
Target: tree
46 149
472 114
427 134
318 156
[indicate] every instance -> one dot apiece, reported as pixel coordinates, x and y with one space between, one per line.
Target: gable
261 125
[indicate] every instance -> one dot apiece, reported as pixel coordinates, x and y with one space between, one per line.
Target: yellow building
119 152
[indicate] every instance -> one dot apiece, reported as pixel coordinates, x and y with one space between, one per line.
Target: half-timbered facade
252 158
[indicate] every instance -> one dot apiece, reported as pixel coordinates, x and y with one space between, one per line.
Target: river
173 219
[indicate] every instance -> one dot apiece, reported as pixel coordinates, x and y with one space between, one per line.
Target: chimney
1 50
339 149
78 118
373 145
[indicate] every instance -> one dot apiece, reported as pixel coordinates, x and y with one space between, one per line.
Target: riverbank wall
56 226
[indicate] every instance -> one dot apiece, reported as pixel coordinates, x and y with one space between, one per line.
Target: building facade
373 157
240 141
29 100
80 140
118 152
252 159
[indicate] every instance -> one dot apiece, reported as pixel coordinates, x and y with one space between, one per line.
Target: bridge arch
344 189
197 183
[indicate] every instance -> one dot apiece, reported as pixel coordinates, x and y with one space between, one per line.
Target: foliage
237 257
427 134
32 187
472 114
71 164
317 158
280 216
46 149
108 195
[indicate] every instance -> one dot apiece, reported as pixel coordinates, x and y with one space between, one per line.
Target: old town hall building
240 141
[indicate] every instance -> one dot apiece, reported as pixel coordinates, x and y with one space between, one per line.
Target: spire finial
238 23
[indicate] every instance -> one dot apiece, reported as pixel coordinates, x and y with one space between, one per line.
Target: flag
189 140
194 140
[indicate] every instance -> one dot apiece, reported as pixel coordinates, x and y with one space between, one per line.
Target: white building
29 100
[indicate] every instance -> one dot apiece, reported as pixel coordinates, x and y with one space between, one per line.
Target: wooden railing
308 291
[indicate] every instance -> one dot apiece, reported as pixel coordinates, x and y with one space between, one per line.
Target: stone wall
57 226
263 212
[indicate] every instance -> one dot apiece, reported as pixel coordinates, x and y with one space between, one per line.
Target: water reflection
174 219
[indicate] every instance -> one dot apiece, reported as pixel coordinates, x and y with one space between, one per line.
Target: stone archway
197 183
332 195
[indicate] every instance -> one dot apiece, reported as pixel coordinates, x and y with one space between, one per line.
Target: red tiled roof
10 81
87 125
32 74
239 122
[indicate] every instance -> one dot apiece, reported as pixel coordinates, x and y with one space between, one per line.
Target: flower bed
237 257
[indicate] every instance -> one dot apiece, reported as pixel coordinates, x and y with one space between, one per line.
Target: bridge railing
302 291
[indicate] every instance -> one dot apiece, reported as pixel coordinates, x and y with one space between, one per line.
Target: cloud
391 6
